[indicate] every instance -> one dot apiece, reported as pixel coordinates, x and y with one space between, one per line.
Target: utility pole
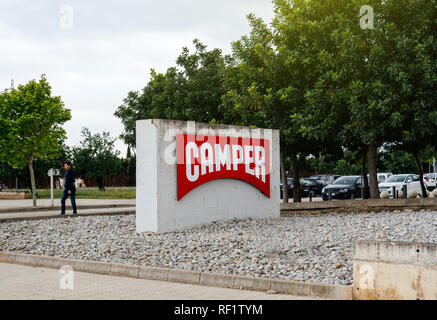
434 164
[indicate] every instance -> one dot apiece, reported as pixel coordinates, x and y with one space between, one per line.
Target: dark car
316 186
306 186
326 178
345 187
290 187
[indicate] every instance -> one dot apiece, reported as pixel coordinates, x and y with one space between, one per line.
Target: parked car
316 186
412 181
345 187
306 186
289 185
326 178
430 181
381 176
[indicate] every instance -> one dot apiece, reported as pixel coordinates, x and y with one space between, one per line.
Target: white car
381 176
430 180
384 176
412 181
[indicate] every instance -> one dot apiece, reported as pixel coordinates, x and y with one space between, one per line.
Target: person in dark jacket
69 188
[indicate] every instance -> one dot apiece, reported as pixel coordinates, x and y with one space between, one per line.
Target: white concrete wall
157 208
395 271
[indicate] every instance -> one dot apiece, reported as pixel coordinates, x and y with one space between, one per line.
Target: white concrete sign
194 173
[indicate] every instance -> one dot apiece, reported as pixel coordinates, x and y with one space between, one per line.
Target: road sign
51 173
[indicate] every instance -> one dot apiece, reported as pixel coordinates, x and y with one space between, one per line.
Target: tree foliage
328 84
31 122
190 91
96 157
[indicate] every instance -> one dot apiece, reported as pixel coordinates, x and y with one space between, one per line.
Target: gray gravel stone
314 248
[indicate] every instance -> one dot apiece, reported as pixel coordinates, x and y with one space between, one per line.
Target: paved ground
21 203
44 204
100 207
24 282
69 211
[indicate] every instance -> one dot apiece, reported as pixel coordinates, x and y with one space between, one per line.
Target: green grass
91 193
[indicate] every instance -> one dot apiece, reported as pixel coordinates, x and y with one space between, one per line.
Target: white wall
385 270
157 208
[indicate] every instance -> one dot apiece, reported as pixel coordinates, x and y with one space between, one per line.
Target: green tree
267 81
190 91
379 78
31 125
96 157
398 161
412 26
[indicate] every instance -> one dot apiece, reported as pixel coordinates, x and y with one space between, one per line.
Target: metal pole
51 186
16 183
434 164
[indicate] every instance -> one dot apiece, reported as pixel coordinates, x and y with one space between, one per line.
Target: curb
358 205
297 288
56 216
45 208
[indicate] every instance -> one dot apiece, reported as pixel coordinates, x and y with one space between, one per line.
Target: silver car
430 181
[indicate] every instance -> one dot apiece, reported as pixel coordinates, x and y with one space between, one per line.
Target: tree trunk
422 184
373 172
290 171
100 183
284 181
366 191
32 181
296 178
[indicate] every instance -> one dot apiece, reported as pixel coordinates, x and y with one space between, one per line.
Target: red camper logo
201 159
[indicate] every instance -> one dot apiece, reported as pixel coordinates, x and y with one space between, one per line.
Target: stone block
153 273
124 270
184 276
330 291
7 257
291 287
251 283
98 267
27 259
216 280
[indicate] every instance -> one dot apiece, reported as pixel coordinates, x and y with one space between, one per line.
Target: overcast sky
93 60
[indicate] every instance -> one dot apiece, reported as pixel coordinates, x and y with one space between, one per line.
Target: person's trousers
72 199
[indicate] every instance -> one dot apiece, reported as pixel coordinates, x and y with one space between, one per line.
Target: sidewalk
27 203
22 209
24 282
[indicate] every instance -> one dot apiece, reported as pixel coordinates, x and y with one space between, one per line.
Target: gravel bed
312 248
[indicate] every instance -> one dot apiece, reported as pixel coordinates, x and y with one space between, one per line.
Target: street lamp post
51 173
